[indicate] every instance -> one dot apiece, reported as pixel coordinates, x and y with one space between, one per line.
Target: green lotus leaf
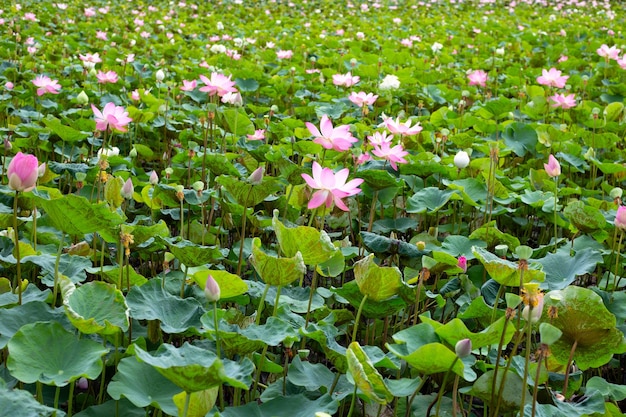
231 285
195 369
247 194
95 307
199 404
586 323
586 218
122 407
299 405
562 268
511 393
12 319
506 272
143 385
191 254
64 359
376 282
152 302
371 309
430 199
365 376
274 270
433 358
76 216
314 245
455 330
19 403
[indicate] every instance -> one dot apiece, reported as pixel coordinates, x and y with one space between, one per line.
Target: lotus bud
620 218
82 98
463 348
461 159
23 172
41 170
128 189
421 245
82 384
154 178
212 289
160 75
7 145
462 263
257 176
133 153
553 168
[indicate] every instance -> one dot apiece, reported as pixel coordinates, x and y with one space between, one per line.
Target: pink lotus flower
562 58
331 187
552 78
23 172
90 11
259 134
106 77
233 98
478 77
553 168
620 218
94 58
379 138
338 138
563 101
395 127
218 84
284 54
346 80
115 117
101 35
9 85
30 16
608 53
46 85
394 155
135 95
622 62
212 290
362 99
189 85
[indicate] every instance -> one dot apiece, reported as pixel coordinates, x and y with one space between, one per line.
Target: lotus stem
261 302
352 402
542 350
243 238
617 256
556 199
455 391
569 366
57 392
443 386
372 211
18 276
529 326
218 351
70 399
187 401
56 271
498 356
357 318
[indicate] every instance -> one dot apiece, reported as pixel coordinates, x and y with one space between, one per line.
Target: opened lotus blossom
608 52
379 138
112 116
107 77
563 101
46 85
189 85
259 134
284 54
338 138
346 80
331 187
218 84
552 78
395 155
406 128
478 77
362 99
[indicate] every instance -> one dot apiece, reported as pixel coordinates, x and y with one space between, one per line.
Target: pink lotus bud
82 384
41 170
128 189
463 348
154 178
212 289
462 263
553 168
23 172
257 176
9 85
620 218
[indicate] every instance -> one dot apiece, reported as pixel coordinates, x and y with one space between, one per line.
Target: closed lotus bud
154 178
82 384
128 189
461 159
212 289
256 177
82 98
23 172
7 145
462 263
553 168
160 75
133 153
463 348
620 218
41 170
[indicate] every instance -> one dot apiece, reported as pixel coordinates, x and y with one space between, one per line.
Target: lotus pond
312 208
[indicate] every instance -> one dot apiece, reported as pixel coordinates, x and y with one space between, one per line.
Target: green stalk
617 256
182 286
217 350
529 327
261 302
357 318
243 238
18 276
352 402
443 386
56 271
70 399
556 199
187 401
57 392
